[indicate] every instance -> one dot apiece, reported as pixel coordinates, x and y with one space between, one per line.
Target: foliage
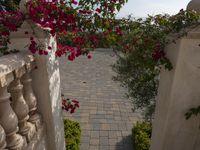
141 54
192 112
141 133
77 21
9 22
9 5
72 134
69 105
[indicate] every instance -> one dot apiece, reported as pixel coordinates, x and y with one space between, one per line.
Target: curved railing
20 123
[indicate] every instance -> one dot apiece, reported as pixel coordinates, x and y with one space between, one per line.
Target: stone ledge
11 62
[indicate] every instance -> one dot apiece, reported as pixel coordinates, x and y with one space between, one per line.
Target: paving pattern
105 114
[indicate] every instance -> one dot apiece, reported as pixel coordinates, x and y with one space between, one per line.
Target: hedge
141 134
72 134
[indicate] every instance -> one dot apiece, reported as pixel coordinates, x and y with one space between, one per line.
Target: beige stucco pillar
46 80
179 90
46 84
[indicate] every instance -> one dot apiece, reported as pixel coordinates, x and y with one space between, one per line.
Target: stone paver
105 115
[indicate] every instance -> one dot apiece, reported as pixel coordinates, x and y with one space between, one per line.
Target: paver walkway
105 115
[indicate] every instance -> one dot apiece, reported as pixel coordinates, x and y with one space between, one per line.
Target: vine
192 112
141 54
7 25
69 105
76 21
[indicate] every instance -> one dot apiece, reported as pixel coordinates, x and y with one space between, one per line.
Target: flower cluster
104 7
67 50
119 31
69 105
52 15
63 24
35 48
9 22
78 21
158 53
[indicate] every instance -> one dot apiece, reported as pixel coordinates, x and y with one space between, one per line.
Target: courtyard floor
105 114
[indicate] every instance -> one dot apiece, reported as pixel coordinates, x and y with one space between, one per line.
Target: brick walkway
105 115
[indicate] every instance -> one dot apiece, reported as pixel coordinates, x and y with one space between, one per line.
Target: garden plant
141 55
73 23
72 134
141 134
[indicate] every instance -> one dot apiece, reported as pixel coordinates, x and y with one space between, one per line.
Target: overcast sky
141 8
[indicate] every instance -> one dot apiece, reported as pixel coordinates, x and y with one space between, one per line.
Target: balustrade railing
19 119
29 96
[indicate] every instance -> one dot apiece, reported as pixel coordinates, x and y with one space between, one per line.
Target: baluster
29 97
2 138
20 107
8 118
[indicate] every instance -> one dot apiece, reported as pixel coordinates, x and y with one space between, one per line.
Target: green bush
141 133
72 134
9 5
141 54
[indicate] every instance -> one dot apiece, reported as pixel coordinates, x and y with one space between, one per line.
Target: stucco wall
179 90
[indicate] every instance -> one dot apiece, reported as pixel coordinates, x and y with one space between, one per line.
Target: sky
141 8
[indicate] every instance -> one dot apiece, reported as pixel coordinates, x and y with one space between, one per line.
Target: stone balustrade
22 101
20 124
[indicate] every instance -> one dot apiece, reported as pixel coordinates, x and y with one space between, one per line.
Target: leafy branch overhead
141 55
82 23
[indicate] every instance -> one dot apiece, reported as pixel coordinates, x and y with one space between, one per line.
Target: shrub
141 54
9 5
141 133
72 134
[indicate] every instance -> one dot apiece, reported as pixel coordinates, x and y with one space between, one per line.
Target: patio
105 114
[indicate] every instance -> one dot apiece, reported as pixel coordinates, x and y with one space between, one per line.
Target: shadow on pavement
125 144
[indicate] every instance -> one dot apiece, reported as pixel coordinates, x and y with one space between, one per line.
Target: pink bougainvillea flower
98 10
45 53
74 2
41 52
69 105
158 54
75 101
89 56
49 48
119 31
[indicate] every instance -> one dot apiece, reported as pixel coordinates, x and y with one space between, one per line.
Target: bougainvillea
7 25
141 55
69 105
75 21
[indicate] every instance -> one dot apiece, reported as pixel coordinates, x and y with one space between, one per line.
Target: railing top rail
11 62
